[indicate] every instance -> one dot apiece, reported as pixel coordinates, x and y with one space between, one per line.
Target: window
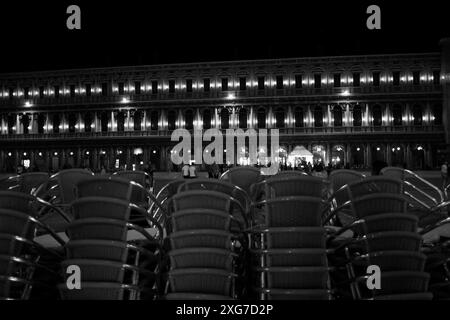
436 77
298 81
279 118
56 123
56 89
337 80
356 79
261 117
279 80
261 83
243 118
26 123
41 92
88 90
121 88
206 85
11 93
189 119
298 115
137 121
87 122
377 116
397 115
437 114
357 116
104 89
154 120
207 119
189 85
41 123
72 122
171 86
337 116
225 119
137 87
72 91
171 120
416 78
318 117
121 121
154 87
396 78
376 79
26 93
224 84
104 121
317 81
242 84
417 115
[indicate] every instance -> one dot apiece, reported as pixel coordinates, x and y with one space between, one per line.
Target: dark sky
34 34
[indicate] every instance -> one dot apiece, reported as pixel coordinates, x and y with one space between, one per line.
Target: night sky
34 35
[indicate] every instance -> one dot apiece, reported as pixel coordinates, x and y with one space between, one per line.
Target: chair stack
288 240
117 259
384 235
27 270
207 246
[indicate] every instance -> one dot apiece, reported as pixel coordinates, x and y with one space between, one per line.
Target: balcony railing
218 94
283 132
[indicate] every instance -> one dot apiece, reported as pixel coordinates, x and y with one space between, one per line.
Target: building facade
349 110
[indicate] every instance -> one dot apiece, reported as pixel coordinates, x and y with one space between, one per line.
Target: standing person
192 171
185 171
444 174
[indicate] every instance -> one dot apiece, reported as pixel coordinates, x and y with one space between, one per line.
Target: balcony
284 132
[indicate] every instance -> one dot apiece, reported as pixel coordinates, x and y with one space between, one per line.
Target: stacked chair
380 231
289 256
118 259
207 246
27 270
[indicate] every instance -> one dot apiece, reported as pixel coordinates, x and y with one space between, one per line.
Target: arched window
397 115
189 119
298 116
337 116
243 118
154 120
377 116
417 115
137 119
357 116
279 118
261 117
225 119
207 119
171 120
318 117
